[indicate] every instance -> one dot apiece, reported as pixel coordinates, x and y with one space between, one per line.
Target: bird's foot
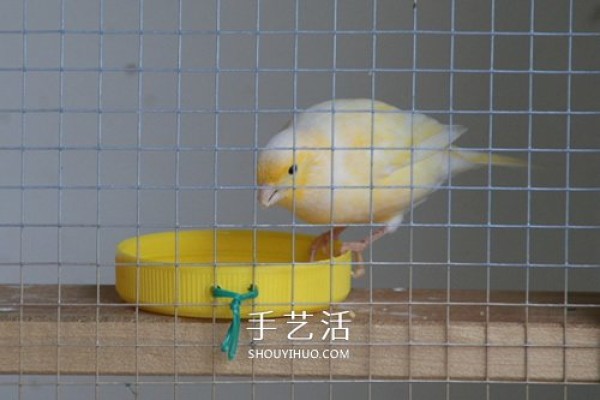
359 266
320 243
323 241
357 249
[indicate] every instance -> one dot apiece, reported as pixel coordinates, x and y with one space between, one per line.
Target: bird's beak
268 196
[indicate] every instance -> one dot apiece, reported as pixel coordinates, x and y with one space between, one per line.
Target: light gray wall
68 180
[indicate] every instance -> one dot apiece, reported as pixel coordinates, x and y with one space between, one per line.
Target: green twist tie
230 343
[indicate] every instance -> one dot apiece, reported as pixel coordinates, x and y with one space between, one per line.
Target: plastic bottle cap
175 272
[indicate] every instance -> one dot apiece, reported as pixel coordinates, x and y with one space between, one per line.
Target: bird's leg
358 247
322 241
361 245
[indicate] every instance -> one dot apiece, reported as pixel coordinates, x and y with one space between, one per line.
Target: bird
361 161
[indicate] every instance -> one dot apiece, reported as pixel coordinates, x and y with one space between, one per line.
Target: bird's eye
293 169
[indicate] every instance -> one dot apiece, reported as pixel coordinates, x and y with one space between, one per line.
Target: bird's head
283 167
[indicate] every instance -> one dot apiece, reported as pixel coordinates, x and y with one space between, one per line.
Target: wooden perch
463 335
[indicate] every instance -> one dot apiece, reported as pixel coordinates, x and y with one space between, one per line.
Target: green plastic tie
230 343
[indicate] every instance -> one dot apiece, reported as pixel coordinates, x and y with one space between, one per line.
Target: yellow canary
359 161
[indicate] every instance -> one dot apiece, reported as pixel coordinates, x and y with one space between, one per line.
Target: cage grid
125 117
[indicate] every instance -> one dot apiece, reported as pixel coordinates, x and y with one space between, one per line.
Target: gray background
74 183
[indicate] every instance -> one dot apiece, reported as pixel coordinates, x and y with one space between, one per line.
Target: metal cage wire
124 118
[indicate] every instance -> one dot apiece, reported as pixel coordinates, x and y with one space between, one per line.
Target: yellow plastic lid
174 272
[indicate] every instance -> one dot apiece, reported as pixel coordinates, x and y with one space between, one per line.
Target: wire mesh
120 118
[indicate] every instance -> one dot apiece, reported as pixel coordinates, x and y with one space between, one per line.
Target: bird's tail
465 159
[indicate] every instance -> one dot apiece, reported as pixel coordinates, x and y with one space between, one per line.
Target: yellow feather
480 158
366 161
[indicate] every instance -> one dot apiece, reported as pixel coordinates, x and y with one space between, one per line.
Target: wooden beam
427 334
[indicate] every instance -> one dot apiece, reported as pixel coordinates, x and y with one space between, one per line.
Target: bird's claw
319 244
323 241
356 248
322 244
359 266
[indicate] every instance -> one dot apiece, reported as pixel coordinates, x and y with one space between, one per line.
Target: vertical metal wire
22 200
567 193
99 185
371 184
215 175
294 154
528 192
140 126
177 196
411 242
333 144
60 194
488 229
293 122
449 205
255 165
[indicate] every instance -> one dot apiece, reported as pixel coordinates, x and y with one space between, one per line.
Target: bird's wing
417 138
399 139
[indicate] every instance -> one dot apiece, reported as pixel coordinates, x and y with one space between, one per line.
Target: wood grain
426 334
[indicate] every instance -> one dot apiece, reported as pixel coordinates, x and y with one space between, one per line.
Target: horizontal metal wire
142 186
411 224
212 70
338 32
412 302
398 263
145 148
266 110
226 380
274 343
